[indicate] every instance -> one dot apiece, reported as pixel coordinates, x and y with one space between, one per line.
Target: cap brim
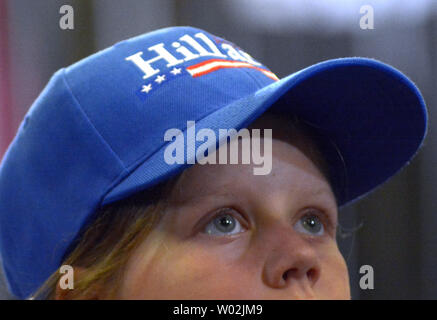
373 116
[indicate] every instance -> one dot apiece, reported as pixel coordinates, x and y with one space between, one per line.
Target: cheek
189 270
334 277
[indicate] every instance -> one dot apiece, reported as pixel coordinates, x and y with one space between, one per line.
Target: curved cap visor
369 121
96 133
373 117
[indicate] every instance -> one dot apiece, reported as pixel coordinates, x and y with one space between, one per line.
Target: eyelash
327 221
236 213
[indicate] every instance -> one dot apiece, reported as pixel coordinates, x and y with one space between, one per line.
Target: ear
66 289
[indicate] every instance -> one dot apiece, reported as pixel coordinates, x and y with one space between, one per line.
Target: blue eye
223 224
310 224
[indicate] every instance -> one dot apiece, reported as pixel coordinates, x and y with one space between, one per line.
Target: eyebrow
321 193
321 190
211 194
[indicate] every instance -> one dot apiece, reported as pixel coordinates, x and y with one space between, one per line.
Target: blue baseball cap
95 133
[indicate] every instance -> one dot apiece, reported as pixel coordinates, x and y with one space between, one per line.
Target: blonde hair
107 242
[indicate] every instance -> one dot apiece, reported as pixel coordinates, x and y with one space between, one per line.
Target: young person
114 172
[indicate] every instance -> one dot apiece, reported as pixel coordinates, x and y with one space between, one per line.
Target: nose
291 258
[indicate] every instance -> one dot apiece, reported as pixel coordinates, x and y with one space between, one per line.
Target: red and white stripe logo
209 66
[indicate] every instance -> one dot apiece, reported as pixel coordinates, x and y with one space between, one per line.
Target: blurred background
394 229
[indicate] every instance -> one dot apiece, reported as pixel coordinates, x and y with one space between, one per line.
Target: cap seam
89 121
257 82
140 161
136 162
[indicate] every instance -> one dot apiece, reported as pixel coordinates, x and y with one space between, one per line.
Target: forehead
293 169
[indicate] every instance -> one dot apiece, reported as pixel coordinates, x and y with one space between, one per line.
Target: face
230 234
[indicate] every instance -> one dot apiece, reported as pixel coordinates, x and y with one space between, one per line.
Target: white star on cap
147 88
160 78
176 71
